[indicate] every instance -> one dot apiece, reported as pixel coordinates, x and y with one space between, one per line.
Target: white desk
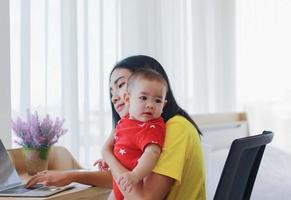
59 159
79 191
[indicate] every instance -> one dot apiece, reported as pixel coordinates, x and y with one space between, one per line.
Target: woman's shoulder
179 123
179 120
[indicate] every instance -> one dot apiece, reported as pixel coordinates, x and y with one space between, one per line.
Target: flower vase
36 159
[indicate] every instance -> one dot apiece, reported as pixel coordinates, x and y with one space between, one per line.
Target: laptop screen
8 174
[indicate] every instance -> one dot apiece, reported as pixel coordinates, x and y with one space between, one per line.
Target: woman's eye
121 84
143 98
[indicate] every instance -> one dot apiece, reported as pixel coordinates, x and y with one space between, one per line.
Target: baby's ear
126 98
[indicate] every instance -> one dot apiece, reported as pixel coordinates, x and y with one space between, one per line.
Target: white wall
5 105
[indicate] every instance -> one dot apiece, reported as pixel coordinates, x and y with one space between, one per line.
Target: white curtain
194 40
263 63
62 53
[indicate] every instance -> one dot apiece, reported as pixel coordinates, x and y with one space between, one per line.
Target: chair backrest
241 167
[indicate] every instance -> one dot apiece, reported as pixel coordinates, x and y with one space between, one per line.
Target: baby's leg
111 196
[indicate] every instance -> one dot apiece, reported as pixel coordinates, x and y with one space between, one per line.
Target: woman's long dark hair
171 108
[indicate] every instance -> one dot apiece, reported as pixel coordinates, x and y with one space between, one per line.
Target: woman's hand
50 178
153 187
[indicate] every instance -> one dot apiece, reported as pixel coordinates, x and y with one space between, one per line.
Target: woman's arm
144 167
154 186
95 178
61 178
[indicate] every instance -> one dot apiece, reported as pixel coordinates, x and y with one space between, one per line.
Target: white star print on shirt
153 126
122 151
141 125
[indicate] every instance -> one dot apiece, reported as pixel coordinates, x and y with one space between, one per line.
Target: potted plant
36 136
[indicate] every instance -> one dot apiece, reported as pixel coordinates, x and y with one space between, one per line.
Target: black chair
241 167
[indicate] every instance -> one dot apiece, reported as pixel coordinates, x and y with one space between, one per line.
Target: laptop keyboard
21 189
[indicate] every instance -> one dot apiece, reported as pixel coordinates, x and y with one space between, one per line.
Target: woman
179 173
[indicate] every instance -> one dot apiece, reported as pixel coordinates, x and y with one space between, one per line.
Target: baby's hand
102 165
127 180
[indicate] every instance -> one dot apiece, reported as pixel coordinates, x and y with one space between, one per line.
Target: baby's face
146 100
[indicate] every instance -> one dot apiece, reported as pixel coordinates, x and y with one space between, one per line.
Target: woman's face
118 85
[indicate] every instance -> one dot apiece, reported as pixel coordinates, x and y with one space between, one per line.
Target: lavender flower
38 133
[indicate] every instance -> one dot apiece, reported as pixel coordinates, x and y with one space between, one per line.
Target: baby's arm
108 146
144 167
106 150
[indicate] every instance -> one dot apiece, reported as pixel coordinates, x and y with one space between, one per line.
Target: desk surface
79 191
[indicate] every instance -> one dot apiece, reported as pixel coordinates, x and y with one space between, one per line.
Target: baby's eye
143 98
158 101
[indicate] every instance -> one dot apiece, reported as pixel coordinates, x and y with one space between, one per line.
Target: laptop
12 186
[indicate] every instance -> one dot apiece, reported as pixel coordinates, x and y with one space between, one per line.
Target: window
60 62
263 66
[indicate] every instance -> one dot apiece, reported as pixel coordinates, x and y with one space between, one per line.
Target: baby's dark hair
147 74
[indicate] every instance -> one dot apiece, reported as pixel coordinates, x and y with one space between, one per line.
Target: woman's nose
114 98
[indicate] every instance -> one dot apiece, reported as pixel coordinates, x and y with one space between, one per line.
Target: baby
139 136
